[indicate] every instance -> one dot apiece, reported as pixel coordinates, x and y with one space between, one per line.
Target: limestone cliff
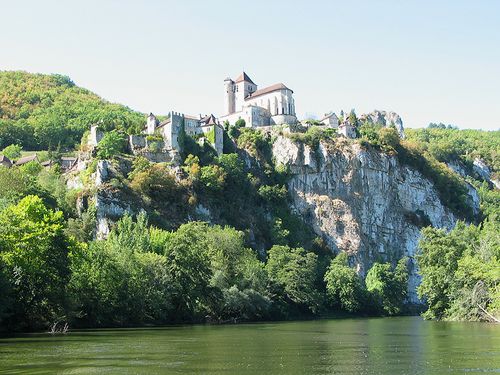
362 202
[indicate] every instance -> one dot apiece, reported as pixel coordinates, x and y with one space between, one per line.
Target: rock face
385 119
362 202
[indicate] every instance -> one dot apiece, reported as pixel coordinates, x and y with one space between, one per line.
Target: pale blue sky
430 61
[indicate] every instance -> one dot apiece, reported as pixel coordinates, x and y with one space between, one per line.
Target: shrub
156 182
13 152
213 177
111 144
240 123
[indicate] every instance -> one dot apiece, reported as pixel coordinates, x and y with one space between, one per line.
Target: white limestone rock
363 202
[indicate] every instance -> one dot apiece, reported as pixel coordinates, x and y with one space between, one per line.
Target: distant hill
41 111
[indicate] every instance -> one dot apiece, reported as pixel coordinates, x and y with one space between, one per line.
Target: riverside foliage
52 271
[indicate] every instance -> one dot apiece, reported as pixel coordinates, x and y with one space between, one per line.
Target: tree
389 138
438 261
156 182
292 271
388 288
240 123
344 287
188 266
13 152
35 250
111 144
460 272
213 177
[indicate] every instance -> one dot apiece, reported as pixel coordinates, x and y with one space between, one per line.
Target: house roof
328 116
267 90
209 120
4 158
243 77
27 159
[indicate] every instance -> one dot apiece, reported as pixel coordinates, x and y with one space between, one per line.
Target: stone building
197 127
330 120
272 105
347 129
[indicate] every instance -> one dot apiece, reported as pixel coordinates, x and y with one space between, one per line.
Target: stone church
272 105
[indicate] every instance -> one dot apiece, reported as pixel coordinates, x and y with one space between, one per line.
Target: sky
429 61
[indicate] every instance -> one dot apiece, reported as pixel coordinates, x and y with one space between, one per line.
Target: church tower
243 87
228 96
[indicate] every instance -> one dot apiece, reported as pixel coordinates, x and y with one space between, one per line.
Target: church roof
267 90
243 77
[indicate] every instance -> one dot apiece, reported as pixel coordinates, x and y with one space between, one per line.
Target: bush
314 135
111 144
273 194
13 152
240 123
213 177
156 182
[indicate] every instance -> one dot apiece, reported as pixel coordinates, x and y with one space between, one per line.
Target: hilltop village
245 105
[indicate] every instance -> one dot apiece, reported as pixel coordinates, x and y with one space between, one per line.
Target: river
403 345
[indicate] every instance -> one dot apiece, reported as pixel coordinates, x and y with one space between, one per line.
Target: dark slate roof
267 90
209 120
27 159
4 158
243 77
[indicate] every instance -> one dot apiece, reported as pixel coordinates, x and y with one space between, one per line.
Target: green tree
155 182
13 152
188 266
292 272
388 287
438 260
35 250
240 123
344 287
111 144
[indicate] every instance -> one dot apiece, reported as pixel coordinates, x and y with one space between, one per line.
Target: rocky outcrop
154 150
362 202
385 119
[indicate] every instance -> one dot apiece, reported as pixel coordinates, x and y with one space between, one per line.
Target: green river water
405 345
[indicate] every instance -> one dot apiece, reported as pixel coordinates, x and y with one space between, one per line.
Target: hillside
284 222
39 111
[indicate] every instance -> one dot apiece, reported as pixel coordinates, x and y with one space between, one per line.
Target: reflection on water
406 345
